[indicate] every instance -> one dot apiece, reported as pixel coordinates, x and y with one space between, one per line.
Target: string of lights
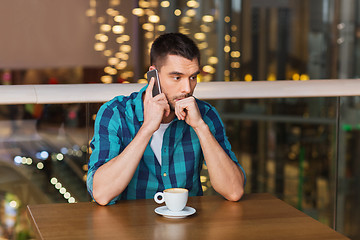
43 156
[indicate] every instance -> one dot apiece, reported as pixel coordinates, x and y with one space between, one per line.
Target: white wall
47 33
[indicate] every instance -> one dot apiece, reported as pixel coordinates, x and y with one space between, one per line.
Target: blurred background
303 150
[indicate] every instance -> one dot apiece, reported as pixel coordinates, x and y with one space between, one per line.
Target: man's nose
185 86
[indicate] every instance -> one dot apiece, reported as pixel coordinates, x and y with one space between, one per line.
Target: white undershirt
157 140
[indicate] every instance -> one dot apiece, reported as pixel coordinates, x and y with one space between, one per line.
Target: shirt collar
139 104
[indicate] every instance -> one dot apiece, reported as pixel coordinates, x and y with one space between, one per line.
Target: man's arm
112 178
225 176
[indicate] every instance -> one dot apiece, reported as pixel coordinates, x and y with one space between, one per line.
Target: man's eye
176 78
193 78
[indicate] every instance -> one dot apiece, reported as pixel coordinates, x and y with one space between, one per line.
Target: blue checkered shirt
116 125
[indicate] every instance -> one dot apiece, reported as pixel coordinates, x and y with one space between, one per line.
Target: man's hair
173 44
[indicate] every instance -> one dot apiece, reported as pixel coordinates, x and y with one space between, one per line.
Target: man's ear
152 67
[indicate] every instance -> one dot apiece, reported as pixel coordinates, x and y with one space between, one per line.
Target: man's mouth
182 97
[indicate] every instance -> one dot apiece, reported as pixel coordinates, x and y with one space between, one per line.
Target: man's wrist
201 127
146 130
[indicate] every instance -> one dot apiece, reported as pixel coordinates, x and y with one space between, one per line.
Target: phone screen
154 74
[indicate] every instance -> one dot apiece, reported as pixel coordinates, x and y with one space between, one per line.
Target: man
144 144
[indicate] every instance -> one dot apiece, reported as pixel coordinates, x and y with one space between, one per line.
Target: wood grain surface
256 216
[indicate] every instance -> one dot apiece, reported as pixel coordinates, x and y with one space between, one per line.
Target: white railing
88 93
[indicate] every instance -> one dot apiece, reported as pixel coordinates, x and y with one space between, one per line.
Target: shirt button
164 174
164 149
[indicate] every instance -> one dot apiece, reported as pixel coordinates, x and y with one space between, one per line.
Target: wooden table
256 216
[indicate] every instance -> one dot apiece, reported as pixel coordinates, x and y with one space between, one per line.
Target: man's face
178 78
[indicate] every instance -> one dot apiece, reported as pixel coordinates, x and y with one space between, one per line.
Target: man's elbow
236 195
99 198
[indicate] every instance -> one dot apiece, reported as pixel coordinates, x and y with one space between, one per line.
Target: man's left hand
187 109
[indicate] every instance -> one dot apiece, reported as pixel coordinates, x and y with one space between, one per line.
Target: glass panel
43 157
348 210
287 147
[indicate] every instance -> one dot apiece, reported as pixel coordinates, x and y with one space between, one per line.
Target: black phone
155 75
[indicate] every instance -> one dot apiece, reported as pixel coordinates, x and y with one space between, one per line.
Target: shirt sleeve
217 128
105 144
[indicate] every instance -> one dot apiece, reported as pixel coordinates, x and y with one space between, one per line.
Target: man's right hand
112 178
155 108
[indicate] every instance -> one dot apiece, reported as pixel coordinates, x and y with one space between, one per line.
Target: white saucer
164 211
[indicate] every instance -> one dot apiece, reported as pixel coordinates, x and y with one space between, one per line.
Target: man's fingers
179 111
160 97
167 110
150 88
183 106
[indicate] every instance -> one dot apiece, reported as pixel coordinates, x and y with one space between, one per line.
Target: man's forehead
175 63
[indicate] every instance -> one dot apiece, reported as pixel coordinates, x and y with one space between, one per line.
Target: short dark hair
173 44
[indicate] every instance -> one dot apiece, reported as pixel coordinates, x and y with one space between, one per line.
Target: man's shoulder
120 103
204 107
122 100
209 113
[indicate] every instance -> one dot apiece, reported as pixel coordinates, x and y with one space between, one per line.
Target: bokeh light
165 4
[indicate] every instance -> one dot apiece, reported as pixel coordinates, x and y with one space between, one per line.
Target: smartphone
154 74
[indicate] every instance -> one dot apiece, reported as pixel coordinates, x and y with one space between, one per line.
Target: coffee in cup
174 198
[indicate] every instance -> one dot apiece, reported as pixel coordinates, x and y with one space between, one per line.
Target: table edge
33 223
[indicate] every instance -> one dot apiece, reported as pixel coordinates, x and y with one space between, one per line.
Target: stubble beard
172 101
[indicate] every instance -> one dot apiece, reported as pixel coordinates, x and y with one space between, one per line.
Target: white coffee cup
174 198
